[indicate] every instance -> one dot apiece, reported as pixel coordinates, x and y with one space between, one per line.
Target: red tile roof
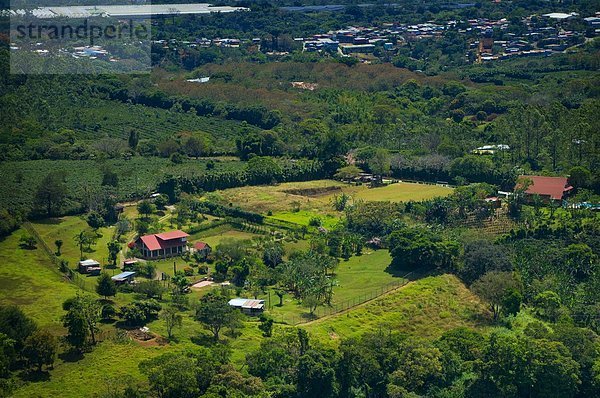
162 241
554 187
172 235
151 242
200 245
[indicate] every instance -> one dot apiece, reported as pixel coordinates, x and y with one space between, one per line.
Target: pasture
28 279
424 308
299 201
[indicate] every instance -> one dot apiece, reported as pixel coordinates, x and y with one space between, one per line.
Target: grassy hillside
27 279
424 308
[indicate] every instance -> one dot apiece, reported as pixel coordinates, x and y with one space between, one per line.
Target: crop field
138 175
316 197
104 118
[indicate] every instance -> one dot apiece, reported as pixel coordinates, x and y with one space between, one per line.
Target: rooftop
554 187
123 275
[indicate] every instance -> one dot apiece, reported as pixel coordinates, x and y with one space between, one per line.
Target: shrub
203 269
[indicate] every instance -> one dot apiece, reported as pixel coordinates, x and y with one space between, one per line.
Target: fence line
345 305
70 274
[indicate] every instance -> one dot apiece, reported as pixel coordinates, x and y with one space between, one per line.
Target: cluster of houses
543 35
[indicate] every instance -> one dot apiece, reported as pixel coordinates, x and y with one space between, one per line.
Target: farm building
248 306
203 249
167 244
91 267
129 263
547 188
124 277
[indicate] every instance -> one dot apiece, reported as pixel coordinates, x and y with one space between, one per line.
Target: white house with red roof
167 244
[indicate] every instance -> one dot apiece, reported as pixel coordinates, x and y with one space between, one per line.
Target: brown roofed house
547 188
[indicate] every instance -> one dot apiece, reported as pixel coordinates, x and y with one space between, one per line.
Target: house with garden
548 189
163 245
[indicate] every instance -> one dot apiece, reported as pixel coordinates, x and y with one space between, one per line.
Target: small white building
248 306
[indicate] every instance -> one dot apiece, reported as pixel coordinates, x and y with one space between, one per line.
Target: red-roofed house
547 188
167 244
203 249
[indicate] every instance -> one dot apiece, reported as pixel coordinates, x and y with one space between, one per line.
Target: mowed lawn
425 308
27 279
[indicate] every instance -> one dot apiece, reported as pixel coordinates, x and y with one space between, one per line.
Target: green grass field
424 308
315 198
28 279
65 229
402 192
303 217
360 278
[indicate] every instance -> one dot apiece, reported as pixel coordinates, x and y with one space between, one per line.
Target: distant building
129 263
348 49
124 277
490 149
248 306
560 16
168 244
203 249
91 267
547 188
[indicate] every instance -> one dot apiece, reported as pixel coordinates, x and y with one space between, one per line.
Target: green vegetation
351 195
425 308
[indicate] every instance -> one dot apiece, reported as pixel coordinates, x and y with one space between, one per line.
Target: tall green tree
493 288
81 320
172 320
114 247
51 193
106 286
40 349
214 313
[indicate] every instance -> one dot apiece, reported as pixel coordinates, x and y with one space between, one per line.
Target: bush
203 269
188 271
139 313
315 222
147 270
